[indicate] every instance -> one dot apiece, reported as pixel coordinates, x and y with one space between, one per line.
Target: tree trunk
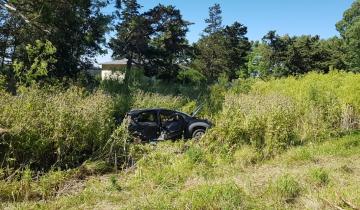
127 72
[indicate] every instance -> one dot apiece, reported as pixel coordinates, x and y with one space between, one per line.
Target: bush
51 126
191 76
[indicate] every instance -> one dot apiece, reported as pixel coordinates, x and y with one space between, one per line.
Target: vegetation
281 123
286 118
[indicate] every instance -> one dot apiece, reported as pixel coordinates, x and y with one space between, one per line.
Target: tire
198 133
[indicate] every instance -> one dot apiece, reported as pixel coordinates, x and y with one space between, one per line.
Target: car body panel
162 124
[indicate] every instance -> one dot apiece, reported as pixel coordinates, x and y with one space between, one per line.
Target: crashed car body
164 124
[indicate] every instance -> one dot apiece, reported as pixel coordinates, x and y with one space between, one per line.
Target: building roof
116 62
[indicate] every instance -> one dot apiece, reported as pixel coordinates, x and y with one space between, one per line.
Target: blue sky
294 17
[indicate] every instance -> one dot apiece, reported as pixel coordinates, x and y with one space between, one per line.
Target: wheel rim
198 135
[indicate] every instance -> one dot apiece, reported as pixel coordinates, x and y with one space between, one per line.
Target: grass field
182 175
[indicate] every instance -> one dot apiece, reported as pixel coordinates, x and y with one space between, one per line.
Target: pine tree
214 21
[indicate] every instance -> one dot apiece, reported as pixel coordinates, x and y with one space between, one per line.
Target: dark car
164 124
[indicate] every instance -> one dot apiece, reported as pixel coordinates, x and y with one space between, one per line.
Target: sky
293 17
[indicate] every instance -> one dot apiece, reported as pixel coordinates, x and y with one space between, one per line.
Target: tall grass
253 120
280 113
47 127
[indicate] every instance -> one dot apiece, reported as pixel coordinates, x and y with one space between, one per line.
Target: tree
211 57
39 63
155 39
76 29
259 63
168 48
285 55
133 34
224 51
238 48
349 28
214 21
336 51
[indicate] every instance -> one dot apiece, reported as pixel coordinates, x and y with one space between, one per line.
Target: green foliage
195 155
153 100
168 47
155 39
246 156
54 127
286 188
325 102
285 55
277 114
114 183
191 76
266 122
26 188
222 52
162 167
259 61
50 183
78 36
216 196
217 95
41 58
349 28
2 83
215 20
116 149
319 176
298 155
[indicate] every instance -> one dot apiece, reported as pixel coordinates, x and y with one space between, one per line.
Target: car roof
138 111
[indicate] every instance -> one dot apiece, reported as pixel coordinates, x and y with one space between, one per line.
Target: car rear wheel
198 133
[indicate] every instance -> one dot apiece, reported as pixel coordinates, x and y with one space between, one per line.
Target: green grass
290 143
183 175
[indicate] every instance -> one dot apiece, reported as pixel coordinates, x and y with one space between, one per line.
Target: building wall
113 66
111 72
112 75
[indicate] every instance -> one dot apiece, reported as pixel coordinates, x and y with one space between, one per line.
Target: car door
171 124
147 125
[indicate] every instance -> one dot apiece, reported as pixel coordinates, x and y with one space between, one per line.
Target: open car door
172 125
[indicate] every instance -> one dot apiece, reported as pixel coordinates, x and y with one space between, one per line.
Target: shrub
51 126
191 76
51 182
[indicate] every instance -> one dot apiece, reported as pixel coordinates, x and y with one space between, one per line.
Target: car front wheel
198 133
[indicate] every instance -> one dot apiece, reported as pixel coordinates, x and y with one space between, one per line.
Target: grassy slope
183 175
